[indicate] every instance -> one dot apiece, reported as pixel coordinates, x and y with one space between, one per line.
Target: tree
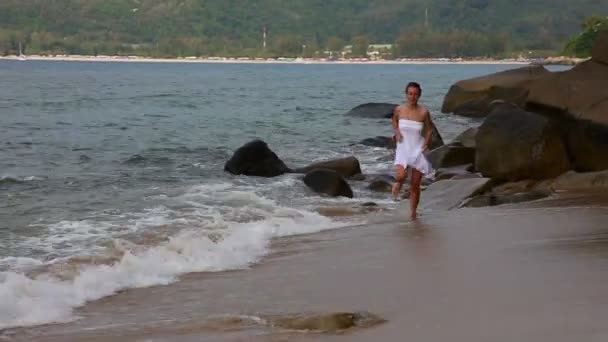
360 45
582 45
289 46
335 44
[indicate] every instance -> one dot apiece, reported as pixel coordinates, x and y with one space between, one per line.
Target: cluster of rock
255 158
542 131
330 177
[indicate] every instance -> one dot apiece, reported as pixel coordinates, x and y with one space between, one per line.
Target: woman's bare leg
400 176
415 192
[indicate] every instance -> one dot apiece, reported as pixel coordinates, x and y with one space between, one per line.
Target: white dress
409 151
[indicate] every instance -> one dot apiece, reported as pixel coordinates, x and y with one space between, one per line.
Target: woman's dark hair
415 85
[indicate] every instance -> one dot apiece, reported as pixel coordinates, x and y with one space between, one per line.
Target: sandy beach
510 273
244 60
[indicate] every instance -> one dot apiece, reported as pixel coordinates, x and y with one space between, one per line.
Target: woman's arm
395 122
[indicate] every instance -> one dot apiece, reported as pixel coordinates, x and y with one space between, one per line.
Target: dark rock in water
379 141
488 200
256 159
328 182
347 167
136 159
373 110
448 156
513 145
369 204
381 183
83 158
358 177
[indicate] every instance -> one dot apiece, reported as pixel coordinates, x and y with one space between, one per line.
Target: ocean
111 174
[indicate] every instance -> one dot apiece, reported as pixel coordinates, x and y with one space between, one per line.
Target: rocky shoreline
542 132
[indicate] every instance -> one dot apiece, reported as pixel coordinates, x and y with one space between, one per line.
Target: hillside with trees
581 45
171 28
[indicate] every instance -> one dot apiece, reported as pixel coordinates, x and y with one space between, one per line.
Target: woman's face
413 94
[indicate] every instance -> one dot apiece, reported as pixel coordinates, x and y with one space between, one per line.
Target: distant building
374 51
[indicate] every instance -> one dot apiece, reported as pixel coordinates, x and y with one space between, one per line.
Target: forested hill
215 27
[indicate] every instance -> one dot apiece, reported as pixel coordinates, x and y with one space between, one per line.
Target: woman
408 122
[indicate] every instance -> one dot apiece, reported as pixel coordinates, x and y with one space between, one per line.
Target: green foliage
581 45
360 45
234 27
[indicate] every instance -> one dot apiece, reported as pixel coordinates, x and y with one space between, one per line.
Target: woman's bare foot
396 190
413 216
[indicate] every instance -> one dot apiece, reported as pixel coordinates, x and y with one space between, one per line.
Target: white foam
45 299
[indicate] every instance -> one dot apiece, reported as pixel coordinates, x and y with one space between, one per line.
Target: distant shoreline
226 60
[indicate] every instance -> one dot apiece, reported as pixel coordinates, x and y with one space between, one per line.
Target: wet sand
506 273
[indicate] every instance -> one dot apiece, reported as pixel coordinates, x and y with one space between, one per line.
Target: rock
581 181
358 177
599 53
255 159
466 176
328 182
436 140
466 138
373 110
448 156
460 171
578 93
347 167
332 322
513 145
488 200
514 187
587 144
448 194
379 141
472 97
382 183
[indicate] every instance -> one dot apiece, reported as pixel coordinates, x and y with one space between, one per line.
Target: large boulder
328 182
347 167
373 110
472 97
579 93
513 144
466 138
255 159
448 156
436 139
599 53
587 144
449 194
